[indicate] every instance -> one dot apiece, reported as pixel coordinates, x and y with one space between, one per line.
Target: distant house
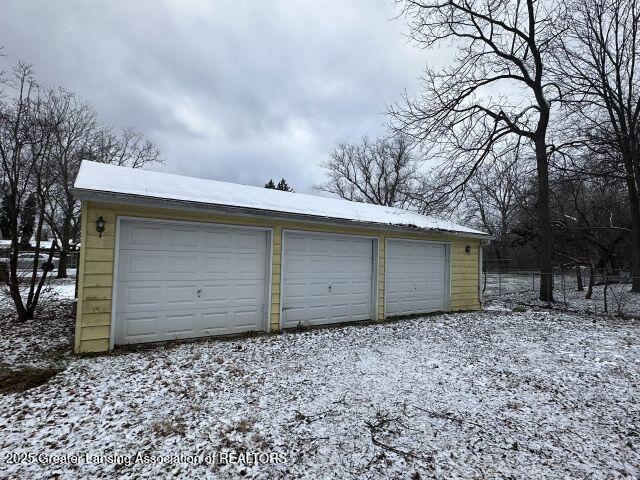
170 257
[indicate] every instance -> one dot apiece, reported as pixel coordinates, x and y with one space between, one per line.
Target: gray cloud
237 91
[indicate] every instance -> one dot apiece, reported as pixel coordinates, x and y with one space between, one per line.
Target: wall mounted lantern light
466 249
100 223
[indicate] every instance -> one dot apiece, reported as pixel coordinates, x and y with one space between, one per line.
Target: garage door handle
286 308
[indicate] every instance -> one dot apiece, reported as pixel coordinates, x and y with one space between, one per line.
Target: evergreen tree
282 185
27 221
270 184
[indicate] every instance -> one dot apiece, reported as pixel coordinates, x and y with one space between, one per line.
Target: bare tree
44 136
128 147
496 88
491 199
79 136
76 126
380 171
600 68
25 133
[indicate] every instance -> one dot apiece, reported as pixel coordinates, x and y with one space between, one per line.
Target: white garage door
417 277
326 279
178 280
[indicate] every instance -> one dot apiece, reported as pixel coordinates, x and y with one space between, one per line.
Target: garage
168 257
326 279
417 277
177 280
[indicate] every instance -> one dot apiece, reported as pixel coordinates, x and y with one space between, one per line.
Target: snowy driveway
533 395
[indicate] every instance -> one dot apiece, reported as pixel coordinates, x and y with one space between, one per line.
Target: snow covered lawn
523 289
490 394
45 340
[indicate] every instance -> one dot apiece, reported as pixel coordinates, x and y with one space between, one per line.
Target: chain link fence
573 289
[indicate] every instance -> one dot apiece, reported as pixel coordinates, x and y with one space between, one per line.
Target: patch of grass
168 428
243 426
519 309
12 381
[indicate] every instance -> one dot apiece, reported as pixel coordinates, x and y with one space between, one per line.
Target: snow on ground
520 290
44 339
474 395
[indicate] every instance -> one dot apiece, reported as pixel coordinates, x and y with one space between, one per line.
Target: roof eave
158 202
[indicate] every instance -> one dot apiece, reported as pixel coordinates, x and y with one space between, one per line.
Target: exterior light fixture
100 223
466 249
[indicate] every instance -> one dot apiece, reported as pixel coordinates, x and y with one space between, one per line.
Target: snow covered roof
102 178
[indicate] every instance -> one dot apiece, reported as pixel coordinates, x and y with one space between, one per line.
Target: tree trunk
579 279
544 220
64 248
634 209
592 280
14 280
606 287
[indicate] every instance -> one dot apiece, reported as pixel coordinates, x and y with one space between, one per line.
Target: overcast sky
230 90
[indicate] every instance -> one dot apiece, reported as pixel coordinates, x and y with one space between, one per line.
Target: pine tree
270 184
282 185
27 221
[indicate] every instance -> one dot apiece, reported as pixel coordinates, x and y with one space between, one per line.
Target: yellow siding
96 269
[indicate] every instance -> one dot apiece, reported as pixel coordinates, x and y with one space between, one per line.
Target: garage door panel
181 295
361 267
296 313
216 264
345 267
342 247
392 287
183 237
295 266
217 241
315 262
361 310
139 267
140 298
317 312
296 291
339 312
215 323
180 323
183 281
181 264
243 318
246 292
212 294
340 289
317 266
140 326
249 243
297 245
318 291
416 276
143 295
361 288
246 264
142 236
